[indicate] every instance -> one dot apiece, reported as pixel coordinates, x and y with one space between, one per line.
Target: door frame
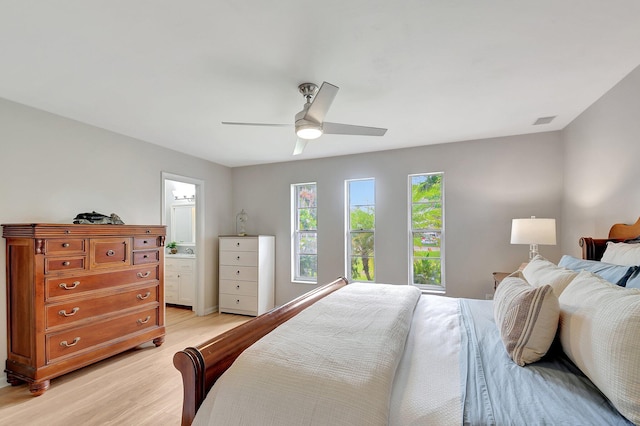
200 250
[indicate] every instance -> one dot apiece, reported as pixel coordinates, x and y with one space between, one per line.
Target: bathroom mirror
183 224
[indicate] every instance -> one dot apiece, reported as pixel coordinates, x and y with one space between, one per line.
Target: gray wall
487 183
53 168
602 172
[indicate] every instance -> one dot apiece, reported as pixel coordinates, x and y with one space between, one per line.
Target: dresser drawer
234 302
61 264
146 242
79 284
239 258
245 288
147 256
110 252
81 339
64 246
238 244
69 313
243 273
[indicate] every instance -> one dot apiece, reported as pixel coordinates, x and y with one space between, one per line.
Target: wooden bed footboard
202 365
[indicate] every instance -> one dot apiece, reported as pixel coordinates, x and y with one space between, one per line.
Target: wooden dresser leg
158 341
13 380
38 388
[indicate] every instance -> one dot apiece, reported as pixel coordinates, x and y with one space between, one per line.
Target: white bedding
344 350
427 385
453 369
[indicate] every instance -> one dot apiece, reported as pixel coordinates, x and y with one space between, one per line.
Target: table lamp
533 231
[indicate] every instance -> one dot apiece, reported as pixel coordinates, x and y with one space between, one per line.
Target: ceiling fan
309 123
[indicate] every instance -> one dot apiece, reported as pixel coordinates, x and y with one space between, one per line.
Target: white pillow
600 333
539 271
527 318
622 254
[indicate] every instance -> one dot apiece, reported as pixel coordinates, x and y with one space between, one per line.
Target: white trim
425 288
200 249
294 216
347 228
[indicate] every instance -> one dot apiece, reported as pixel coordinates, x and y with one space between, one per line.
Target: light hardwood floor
138 387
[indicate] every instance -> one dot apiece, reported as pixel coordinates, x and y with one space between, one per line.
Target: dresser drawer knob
66 287
237 301
238 244
144 321
145 256
238 287
238 257
144 274
145 242
65 245
237 272
145 296
66 263
111 253
69 314
64 343
148 231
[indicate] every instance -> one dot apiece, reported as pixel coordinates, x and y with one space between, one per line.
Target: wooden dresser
77 294
247 267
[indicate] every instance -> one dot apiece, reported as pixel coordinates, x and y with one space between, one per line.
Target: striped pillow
527 318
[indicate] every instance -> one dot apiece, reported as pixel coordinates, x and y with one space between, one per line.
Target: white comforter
332 364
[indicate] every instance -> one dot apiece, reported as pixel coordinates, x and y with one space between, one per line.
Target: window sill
304 282
434 292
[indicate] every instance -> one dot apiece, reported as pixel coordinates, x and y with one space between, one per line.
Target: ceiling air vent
544 120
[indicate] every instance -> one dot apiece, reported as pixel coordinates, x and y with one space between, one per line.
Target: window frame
349 231
296 232
441 288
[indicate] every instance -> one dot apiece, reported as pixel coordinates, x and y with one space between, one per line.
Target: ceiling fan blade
235 123
349 129
300 144
321 102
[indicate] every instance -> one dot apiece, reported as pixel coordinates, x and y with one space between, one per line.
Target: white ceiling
431 71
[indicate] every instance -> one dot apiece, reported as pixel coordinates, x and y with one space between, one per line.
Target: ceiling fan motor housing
307 129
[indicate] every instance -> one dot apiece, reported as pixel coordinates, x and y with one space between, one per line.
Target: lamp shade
533 231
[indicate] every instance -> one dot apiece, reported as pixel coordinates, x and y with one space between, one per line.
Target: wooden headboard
593 248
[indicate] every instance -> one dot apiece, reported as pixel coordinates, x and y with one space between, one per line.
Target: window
304 232
426 230
360 224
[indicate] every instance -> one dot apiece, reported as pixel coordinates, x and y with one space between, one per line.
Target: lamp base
533 251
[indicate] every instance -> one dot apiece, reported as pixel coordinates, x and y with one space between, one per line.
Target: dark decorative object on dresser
77 294
95 218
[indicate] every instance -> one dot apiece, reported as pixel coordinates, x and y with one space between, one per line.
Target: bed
556 346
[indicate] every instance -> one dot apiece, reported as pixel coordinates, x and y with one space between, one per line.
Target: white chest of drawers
247 267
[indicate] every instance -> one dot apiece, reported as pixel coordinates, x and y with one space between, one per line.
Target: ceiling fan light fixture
309 131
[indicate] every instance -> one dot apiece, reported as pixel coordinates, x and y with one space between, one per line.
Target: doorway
183 214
